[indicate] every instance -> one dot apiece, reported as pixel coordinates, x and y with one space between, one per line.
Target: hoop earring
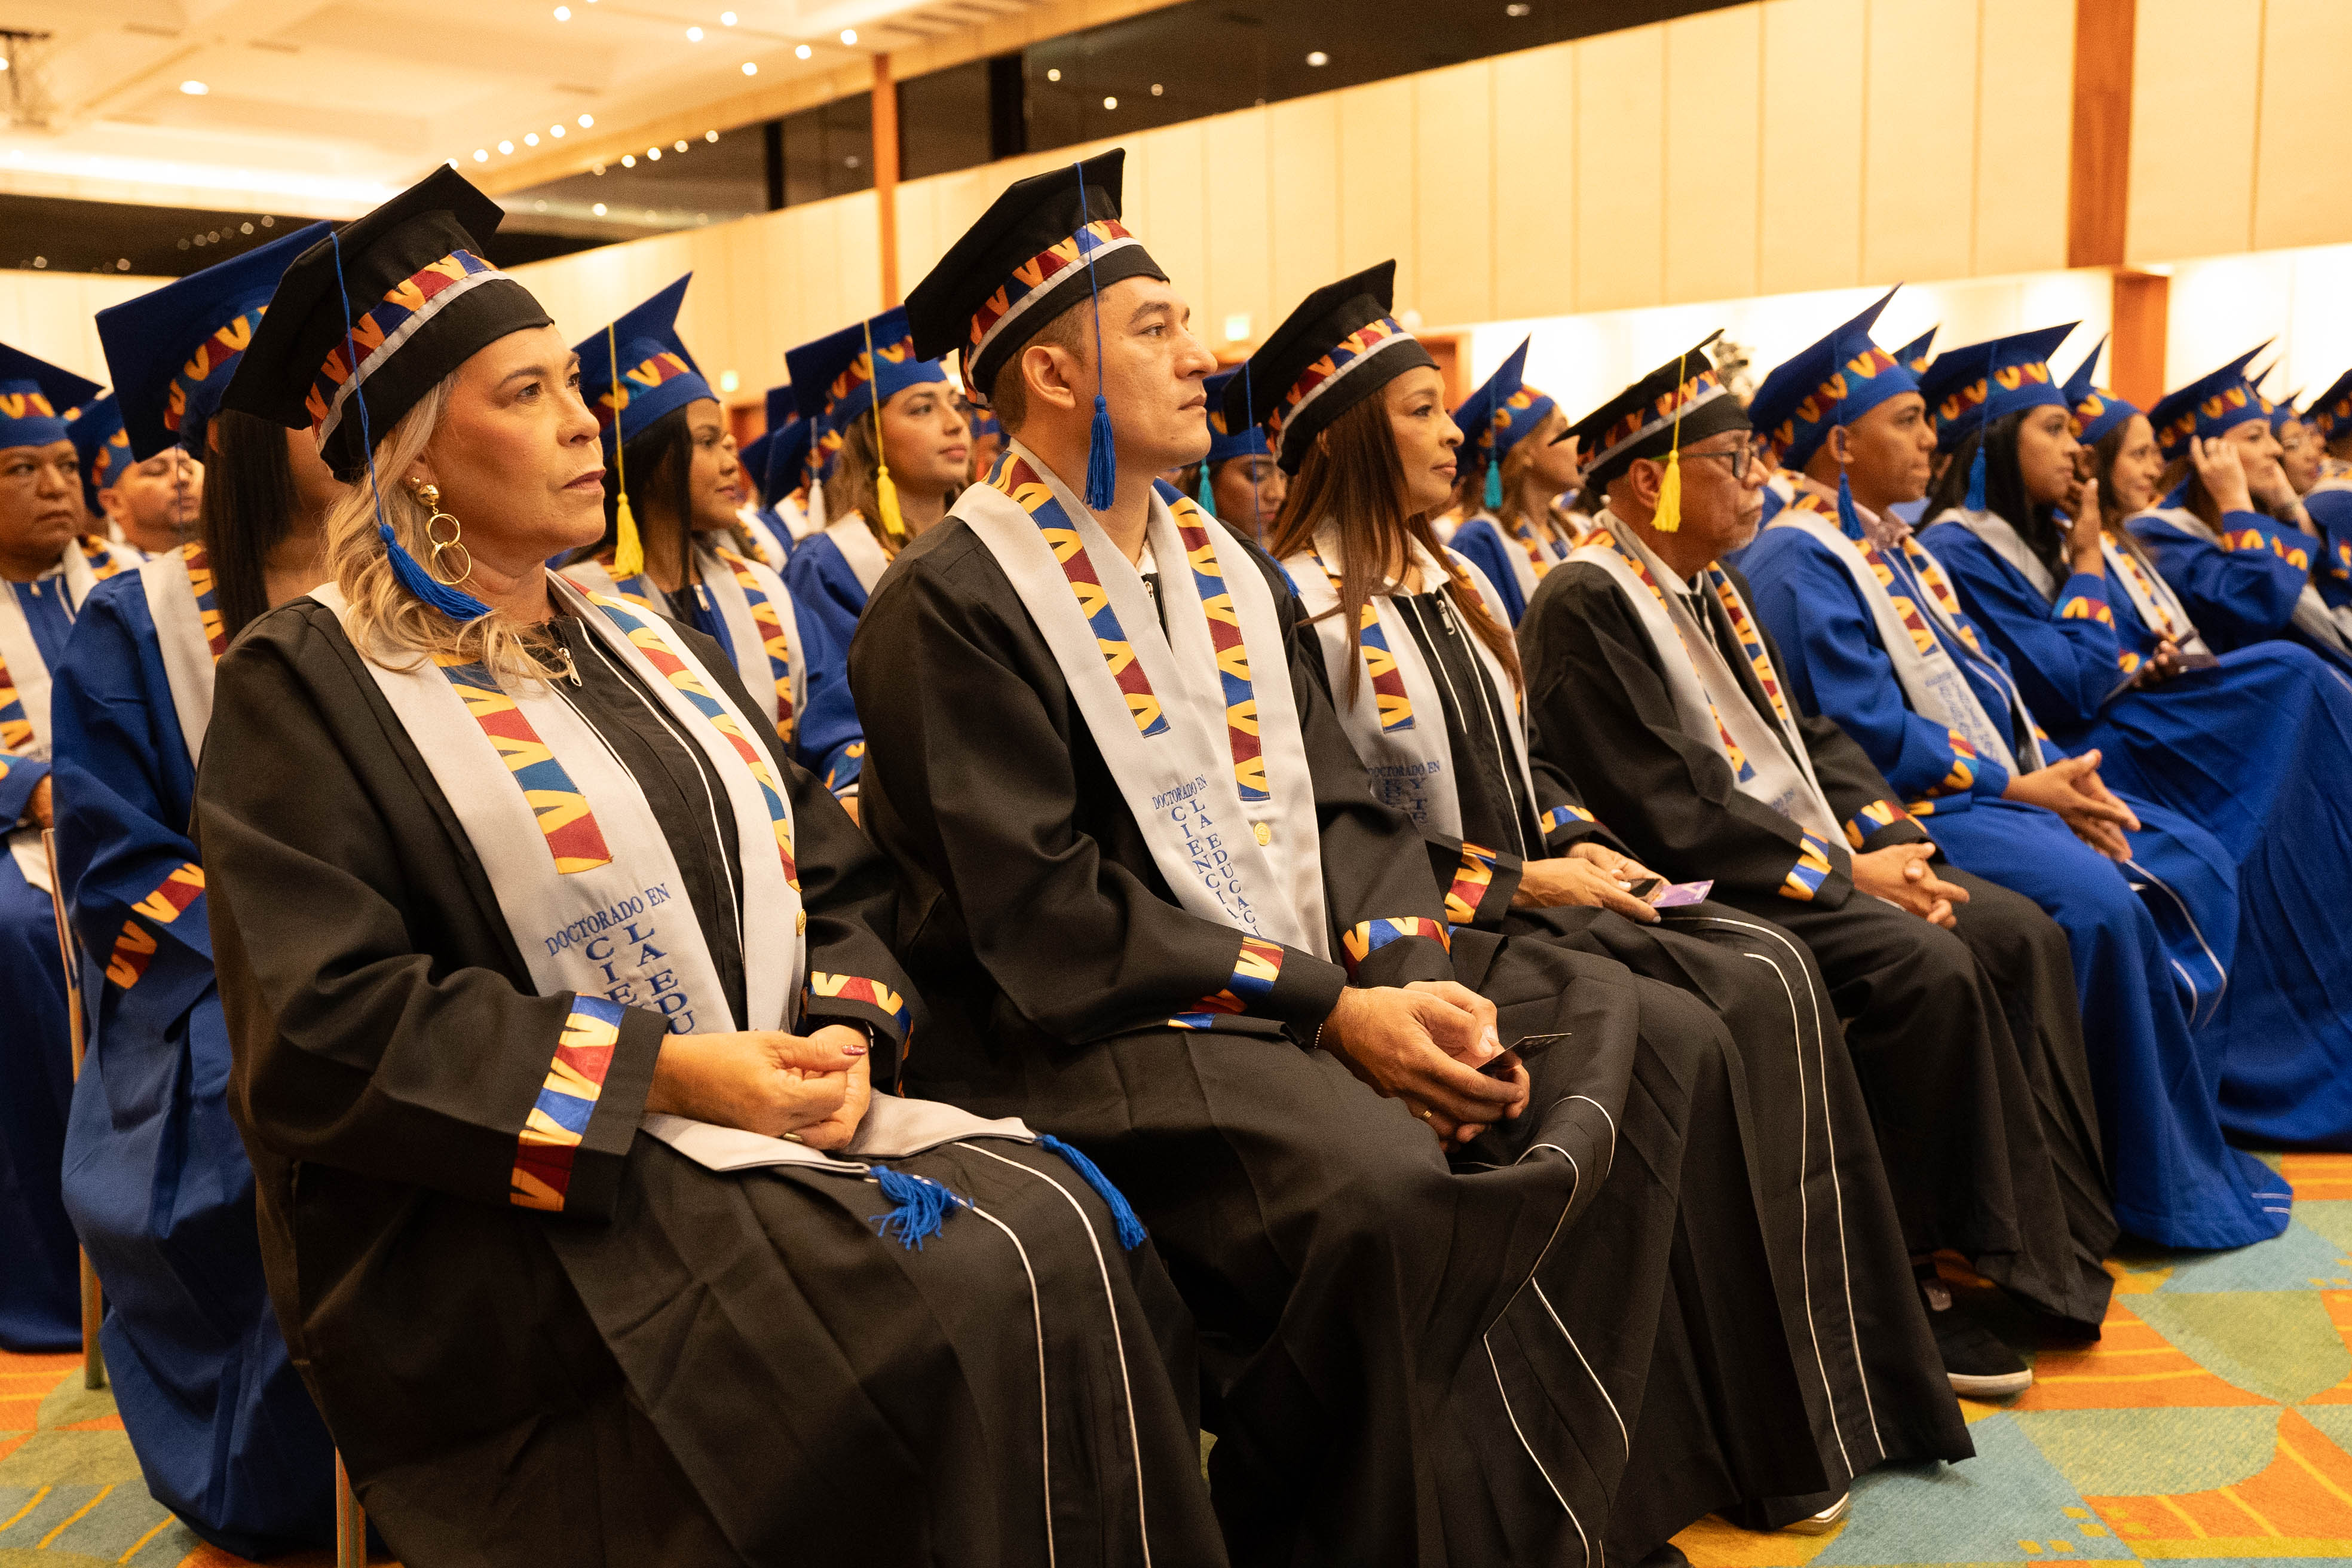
429 497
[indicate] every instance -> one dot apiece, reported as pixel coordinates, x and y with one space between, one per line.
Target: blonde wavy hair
388 625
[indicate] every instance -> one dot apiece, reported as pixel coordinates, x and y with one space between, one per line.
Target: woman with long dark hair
155 1179
673 541
1514 467
2251 748
1418 652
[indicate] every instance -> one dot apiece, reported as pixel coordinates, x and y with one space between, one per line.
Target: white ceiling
328 106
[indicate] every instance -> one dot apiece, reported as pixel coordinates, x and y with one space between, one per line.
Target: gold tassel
886 501
885 490
1669 516
628 550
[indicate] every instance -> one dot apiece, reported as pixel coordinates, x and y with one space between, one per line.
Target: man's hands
814 1085
1589 874
1423 1044
40 809
1900 874
2221 471
2072 787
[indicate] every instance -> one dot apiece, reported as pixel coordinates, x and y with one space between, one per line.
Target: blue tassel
1495 489
454 603
1122 1215
1207 496
1848 520
1102 462
1974 500
918 1207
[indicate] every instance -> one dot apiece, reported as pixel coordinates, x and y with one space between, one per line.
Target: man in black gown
1399 1360
1652 686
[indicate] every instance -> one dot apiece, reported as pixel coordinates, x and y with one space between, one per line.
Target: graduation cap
848 375
2213 404
1498 416
786 468
34 397
2097 410
1225 442
2331 411
367 321
1969 388
633 371
1336 349
1834 382
104 447
1681 401
2280 410
1916 353
173 351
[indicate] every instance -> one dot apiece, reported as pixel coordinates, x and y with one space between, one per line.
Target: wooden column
886 173
2135 360
2098 186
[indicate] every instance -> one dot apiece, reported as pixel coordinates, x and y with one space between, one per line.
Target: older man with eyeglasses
1650 682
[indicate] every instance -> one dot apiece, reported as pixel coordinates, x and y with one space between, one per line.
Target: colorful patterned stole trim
1015 479
1542 552
1255 969
1603 539
15 728
1365 938
105 559
1389 697
567 1101
772 638
206 589
1225 635
573 837
2153 599
380 331
135 948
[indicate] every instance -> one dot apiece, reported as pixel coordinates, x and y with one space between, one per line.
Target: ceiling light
628 160
678 145
654 154
1318 59
124 265
595 168
506 147
1516 10
1110 103
694 35
1156 89
4 66
711 136
213 235
244 228
750 68
555 130
803 52
194 88
726 18
563 13
728 381
598 209
272 223
481 155
530 139
1054 74
453 162
848 35
40 261
587 122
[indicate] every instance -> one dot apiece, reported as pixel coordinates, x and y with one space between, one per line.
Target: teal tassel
1102 462
918 1207
1207 496
1848 520
454 603
1974 500
1494 488
1122 1215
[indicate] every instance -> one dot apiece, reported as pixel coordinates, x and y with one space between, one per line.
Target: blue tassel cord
1122 1213
1495 489
918 1207
1849 519
1102 460
1207 496
1974 500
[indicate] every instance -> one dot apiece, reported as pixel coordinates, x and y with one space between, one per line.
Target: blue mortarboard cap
786 469
104 447
642 351
2096 409
171 350
1916 353
2213 404
34 397
1248 442
1969 388
2331 411
2280 409
834 379
1502 413
1834 382
782 406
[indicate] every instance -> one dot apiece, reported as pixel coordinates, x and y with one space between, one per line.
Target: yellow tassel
628 550
886 501
1669 516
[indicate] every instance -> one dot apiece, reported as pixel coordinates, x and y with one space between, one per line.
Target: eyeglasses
1739 458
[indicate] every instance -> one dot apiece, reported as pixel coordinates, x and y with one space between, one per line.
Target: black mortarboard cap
1336 348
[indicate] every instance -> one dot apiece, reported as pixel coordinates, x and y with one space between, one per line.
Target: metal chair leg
350 1521
93 1357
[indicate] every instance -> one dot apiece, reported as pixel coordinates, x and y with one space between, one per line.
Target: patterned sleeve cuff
1565 824
1482 888
844 768
856 997
2085 598
1391 952
1813 868
563 1123
135 948
19 777
1871 819
1270 981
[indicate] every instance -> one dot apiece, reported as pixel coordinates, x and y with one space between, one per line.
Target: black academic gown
681 1367
1968 1046
1562 1343
1874 1383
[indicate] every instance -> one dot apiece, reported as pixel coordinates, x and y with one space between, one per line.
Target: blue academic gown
40 1291
2256 752
155 1174
826 592
2143 937
2242 595
2330 510
1481 539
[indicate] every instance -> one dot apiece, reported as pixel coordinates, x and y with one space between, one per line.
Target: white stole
2311 616
1401 736
1217 780
777 677
187 633
866 559
29 674
2159 608
1769 763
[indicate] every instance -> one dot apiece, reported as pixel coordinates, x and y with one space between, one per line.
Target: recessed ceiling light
654 154
124 265
750 68
587 122
598 209
678 145
1156 89
481 155
628 160
1318 58
563 13
1516 10
726 18
694 35
244 228
555 130
803 52
506 147
194 88
711 136
530 139
848 35
728 381
539 206
1110 103
1054 74
3 65
272 223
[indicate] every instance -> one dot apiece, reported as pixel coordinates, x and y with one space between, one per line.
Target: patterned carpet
2213 1423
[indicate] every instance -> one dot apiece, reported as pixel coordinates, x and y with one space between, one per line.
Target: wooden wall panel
2024 119
1919 171
1174 189
1713 149
1620 168
2302 182
1811 121
1454 181
2098 191
1303 161
1237 223
1375 182
1535 182
2196 69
